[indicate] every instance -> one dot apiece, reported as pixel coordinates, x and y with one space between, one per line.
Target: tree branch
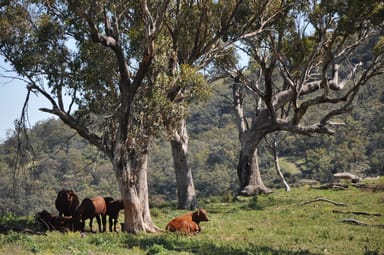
357 213
321 199
304 130
360 223
152 28
113 43
81 130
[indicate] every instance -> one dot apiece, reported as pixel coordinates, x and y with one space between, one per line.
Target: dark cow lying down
188 223
56 222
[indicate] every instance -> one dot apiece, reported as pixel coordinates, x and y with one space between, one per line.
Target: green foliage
379 47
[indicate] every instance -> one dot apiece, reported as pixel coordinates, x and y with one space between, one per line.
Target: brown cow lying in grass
56 222
188 223
90 208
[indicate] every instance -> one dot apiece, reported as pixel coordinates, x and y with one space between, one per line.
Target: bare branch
81 130
304 130
152 28
238 97
111 41
321 199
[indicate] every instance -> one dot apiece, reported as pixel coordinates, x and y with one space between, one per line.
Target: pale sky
12 96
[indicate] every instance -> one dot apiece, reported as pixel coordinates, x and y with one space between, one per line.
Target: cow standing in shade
113 210
66 202
188 223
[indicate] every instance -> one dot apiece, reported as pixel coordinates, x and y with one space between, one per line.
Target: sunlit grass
274 224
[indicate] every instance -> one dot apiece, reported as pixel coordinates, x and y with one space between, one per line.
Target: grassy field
280 223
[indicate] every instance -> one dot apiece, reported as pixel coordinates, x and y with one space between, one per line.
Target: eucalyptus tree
100 55
305 63
199 33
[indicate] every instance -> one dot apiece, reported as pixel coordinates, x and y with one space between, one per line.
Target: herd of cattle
72 215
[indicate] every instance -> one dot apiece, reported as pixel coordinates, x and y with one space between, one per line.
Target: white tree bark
131 172
277 167
186 193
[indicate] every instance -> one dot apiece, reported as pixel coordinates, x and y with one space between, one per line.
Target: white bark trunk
280 174
248 169
186 193
273 146
131 171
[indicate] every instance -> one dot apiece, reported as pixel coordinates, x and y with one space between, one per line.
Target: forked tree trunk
186 194
248 170
131 171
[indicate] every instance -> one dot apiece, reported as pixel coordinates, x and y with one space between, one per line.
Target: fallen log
348 176
360 223
334 186
357 213
321 199
369 186
354 221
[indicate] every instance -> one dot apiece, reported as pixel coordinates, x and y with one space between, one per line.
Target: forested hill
52 156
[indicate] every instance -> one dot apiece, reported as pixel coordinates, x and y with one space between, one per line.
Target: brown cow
56 222
113 209
188 223
66 202
90 208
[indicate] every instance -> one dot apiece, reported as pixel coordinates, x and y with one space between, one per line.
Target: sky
12 96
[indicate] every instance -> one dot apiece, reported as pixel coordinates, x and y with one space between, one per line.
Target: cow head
66 202
200 215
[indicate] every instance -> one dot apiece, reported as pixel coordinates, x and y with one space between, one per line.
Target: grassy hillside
280 223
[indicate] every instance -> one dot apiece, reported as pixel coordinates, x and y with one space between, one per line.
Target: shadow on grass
173 244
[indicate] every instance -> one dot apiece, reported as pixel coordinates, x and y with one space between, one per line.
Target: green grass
273 224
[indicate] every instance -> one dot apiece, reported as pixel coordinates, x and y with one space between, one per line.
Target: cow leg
90 224
110 221
98 221
79 225
104 219
82 225
114 224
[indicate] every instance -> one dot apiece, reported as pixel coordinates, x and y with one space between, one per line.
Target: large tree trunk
186 193
248 169
131 171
